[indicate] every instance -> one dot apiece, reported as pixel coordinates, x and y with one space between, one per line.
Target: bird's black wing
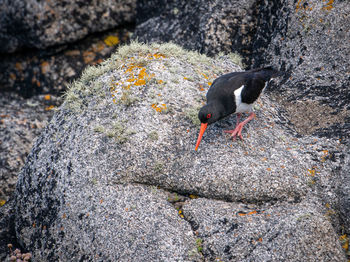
225 85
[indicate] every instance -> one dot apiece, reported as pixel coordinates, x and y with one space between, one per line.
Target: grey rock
344 192
21 121
40 24
309 40
128 127
7 228
268 232
34 72
207 26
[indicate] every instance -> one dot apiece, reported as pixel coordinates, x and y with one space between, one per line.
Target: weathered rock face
49 71
310 40
240 232
21 121
207 26
40 24
97 181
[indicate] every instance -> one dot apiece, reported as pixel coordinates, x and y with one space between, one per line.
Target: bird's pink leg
238 118
238 130
237 123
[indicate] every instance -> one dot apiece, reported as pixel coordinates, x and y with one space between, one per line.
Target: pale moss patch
192 115
99 129
237 59
153 136
120 132
127 98
234 57
158 167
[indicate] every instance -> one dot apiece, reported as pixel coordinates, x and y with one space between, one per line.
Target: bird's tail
267 73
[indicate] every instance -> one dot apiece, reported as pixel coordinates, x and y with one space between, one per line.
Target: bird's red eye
208 116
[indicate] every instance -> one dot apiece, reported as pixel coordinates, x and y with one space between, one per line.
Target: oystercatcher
234 93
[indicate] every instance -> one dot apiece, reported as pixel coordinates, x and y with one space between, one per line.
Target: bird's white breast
240 106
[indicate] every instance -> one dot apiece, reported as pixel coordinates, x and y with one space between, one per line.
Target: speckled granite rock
21 121
128 128
267 232
309 40
40 24
206 26
344 192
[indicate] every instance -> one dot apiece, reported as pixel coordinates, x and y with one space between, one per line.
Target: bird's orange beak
201 132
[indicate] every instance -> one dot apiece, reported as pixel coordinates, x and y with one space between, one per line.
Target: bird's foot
236 132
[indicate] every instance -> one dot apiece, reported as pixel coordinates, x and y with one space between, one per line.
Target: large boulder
96 184
310 41
40 24
206 26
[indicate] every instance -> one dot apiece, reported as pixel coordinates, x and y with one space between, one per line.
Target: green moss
94 181
99 129
127 99
120 133
199 243
153 136
158 167
237 59
192 115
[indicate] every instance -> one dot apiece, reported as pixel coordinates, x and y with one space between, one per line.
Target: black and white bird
234 93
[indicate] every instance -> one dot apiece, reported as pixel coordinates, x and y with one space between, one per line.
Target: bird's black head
208 114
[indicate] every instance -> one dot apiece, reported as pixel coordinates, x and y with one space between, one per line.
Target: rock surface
267 232
99 174
40 24
209 27
33 72
310 40
21 121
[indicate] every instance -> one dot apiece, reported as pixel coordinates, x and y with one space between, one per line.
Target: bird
236 93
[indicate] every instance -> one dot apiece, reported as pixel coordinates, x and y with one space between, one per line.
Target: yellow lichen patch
49 108
45 67
180 213
2 202
158 55
312 172
325 154
136 75
13 76
193 196
344 240
247 214
329 5
140 82
111 40
303 5
205 76
159 108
